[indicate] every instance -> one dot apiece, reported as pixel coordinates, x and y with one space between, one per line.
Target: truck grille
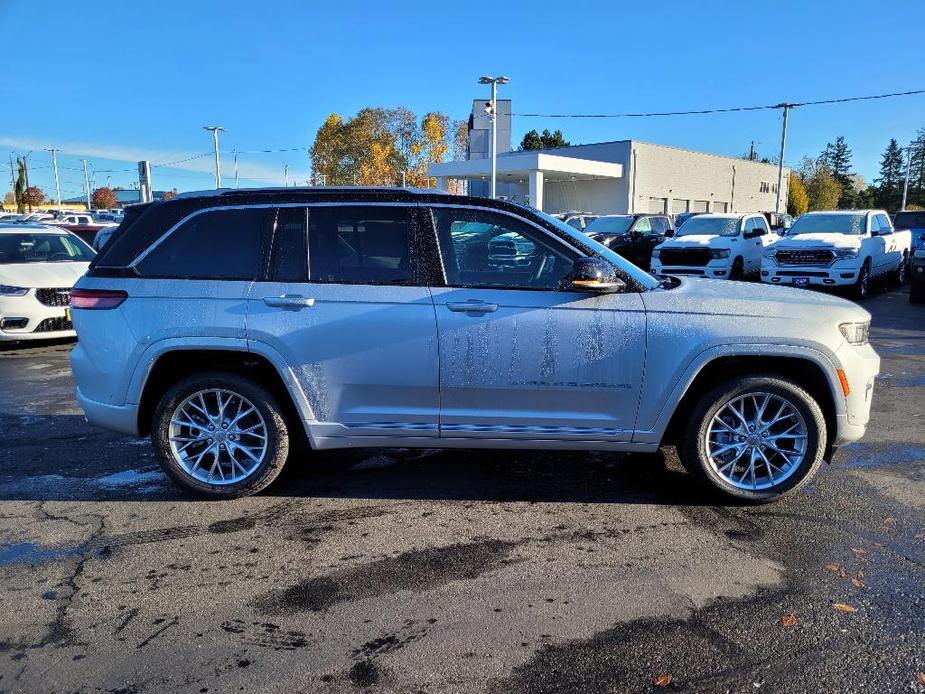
60 296
804 257
685 256
51 325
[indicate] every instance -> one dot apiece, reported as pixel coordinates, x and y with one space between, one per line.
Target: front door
354 324
520 358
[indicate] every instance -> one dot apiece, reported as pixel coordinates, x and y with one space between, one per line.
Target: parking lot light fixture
493 113
218 167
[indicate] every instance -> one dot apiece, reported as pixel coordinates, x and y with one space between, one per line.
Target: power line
734 109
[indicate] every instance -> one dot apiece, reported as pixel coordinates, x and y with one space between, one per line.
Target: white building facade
625 176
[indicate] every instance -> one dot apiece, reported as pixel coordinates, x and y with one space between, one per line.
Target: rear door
520 358
345 305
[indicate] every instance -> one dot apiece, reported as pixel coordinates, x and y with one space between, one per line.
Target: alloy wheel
218 436
756 441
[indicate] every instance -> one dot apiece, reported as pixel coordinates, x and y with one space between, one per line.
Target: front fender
705 357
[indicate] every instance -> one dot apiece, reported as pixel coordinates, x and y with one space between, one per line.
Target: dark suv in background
633 236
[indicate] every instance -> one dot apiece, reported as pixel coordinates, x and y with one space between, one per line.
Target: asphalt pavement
458 571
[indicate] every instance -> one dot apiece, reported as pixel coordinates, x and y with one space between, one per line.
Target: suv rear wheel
755 439
220 435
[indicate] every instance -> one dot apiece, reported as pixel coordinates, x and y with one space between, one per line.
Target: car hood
819 240
42 274
696 241
747 299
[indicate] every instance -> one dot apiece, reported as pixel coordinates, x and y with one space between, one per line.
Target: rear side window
289 262
359 245
229 244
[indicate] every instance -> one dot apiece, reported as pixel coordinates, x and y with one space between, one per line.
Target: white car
832 249
38 267
719 246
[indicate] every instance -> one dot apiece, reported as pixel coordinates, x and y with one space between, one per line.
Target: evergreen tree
548 140
917 169
837 159
531 140
890 182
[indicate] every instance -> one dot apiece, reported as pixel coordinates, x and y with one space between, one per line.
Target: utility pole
54 165
906 184
235 167
402 179
86 183
751 152
783 149
493 113
12 174
286 176
218 166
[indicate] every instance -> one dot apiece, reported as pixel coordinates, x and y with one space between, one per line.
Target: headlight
6 290
720 252
856 333
842 253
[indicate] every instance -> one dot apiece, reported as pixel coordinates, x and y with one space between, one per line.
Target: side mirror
669 233
596 275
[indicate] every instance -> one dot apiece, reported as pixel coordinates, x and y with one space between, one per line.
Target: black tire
861 289
917 292
692 449
266 404
898 276
737 272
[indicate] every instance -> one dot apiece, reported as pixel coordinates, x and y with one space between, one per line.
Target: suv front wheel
220 435
755 439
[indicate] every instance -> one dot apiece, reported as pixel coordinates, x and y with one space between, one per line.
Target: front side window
228 244
487 249
359 245
884 222
761 224
643 226
18 249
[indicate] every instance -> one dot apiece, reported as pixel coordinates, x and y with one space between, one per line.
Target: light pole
218 167
493 112
87 185
54 165
906 183
783 149
286 176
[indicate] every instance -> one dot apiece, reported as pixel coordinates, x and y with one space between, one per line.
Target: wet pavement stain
417 571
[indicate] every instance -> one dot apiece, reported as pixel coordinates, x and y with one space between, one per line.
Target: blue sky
143 79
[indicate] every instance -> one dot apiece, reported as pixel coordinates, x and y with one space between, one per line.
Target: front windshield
641 276
855 224
20 248
610 225
710 226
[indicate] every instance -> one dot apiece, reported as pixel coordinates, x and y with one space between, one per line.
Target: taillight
97 298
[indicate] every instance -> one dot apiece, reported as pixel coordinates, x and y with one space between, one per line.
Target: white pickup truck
719 246
831 249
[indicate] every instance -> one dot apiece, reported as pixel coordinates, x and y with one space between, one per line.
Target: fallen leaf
662 680
857 584
860 573
860 552
920 536
788 620
842 607
889 521
833 567
920 678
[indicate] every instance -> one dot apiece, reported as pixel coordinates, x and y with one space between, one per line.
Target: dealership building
623 176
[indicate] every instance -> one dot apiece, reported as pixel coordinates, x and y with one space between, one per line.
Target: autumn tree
104 198
33 196
327 151
822 190
376 169
460 140
431 147
9 199
797 199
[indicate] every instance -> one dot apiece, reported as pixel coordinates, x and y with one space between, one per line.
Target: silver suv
229 324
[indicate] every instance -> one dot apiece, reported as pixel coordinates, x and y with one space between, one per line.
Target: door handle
289 301
471 307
